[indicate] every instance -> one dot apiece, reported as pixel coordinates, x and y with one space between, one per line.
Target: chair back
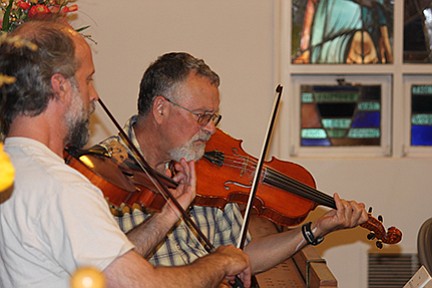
424 245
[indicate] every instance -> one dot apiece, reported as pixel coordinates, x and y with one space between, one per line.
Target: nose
210 127
93 94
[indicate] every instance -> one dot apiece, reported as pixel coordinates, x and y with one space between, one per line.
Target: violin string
273 177
286 183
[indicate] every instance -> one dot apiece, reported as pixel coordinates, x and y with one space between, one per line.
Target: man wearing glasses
178 109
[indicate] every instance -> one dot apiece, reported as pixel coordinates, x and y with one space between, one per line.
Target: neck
39 128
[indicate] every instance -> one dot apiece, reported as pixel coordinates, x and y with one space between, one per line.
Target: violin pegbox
377 231
372 236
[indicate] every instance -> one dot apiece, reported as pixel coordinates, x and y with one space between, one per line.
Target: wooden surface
305 269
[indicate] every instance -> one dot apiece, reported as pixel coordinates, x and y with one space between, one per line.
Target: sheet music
421 279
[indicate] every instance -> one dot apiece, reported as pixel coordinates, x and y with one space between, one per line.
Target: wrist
169 215
309 235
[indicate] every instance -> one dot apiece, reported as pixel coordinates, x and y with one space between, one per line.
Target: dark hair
170 69
32 68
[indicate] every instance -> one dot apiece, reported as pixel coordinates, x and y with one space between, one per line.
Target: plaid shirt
181 246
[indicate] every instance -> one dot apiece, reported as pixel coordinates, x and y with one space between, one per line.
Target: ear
159 108
60 85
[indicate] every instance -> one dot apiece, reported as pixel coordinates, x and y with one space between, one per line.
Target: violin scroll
377 231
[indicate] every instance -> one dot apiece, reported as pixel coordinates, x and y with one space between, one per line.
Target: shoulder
42 173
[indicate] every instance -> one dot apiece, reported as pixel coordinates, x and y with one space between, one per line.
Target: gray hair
170 69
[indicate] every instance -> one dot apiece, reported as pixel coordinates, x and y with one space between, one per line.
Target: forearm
204 272
151 232
271 250
131 270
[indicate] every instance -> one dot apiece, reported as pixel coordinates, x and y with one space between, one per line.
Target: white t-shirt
54 222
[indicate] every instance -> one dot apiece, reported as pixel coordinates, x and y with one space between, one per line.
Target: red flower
38 9
64 10
23 5
71 8
54 9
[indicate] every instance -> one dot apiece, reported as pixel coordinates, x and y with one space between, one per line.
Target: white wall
234 37
238 40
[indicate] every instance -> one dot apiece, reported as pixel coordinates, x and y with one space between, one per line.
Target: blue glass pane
421 115
421 135
366 119
315 142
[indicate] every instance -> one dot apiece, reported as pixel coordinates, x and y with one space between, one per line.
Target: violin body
227 171
124 189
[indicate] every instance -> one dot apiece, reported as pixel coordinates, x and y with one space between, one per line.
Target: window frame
396 141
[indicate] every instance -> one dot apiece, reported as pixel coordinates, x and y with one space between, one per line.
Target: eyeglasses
202 118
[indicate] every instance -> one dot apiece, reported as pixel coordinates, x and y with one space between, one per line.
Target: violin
124 188
120 188
287 191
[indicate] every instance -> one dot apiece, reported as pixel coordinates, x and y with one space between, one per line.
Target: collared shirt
181 246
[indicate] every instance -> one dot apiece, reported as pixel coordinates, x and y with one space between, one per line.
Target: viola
287 191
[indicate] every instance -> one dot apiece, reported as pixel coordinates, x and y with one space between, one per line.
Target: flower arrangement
15 12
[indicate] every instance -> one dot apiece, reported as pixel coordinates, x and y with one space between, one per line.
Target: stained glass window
417 31
340 115
421 115
342 31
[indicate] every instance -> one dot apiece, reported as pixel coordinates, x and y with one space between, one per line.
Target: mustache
202 136
92 107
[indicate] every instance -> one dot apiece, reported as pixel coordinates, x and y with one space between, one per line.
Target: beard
191 150
77 119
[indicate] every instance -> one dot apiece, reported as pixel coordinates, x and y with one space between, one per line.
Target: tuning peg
379 244
371 236
370 210
380 218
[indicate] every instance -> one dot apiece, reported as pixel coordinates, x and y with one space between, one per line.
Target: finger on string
338 201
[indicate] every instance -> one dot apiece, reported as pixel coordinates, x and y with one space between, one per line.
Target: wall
239 40
234 37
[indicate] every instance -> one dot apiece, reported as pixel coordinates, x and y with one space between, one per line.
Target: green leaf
6 22
82 28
